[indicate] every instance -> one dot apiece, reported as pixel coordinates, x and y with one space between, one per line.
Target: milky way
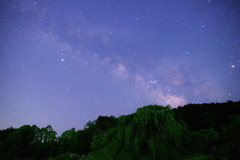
64 63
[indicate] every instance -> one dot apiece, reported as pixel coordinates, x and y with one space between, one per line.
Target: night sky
65 62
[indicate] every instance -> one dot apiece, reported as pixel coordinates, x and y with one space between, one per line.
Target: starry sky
66 62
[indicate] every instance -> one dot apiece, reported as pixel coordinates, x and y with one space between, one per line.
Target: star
147 54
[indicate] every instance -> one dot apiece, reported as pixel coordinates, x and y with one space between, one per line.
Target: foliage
101 154
20 141
68 141
207 115
231 134
103 123
201 157
85 137
152 132
66 156
200 141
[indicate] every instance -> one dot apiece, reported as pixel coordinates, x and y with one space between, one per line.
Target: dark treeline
191 132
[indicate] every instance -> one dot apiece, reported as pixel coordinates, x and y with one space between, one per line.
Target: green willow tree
149 133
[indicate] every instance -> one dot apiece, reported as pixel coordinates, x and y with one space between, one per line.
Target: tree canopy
194 131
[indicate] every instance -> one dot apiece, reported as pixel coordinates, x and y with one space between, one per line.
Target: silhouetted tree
68 142
85 137
152 132
231 135
19 143
103 123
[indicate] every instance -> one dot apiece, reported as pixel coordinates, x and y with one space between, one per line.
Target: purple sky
67 62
